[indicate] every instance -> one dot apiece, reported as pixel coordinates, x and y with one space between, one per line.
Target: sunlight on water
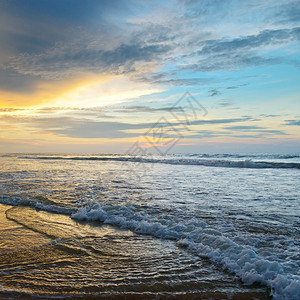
85 258
168 228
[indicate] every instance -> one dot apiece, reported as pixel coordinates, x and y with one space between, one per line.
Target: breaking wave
199 237
199 161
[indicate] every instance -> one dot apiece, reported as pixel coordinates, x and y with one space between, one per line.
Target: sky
181 76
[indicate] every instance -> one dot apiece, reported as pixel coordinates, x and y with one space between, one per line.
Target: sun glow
108 90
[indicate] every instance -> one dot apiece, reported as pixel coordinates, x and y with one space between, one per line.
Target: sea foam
201 239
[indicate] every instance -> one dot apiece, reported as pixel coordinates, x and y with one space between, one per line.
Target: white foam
203 240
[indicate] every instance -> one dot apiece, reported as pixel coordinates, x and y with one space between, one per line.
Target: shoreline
67 251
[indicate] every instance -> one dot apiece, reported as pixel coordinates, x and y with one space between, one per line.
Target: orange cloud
85 90
8 127
44 133
47 91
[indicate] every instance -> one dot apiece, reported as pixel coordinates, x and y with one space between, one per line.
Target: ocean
180 226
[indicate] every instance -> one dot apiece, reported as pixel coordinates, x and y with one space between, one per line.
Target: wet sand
50 255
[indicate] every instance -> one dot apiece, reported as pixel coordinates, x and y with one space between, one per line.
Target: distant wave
209 162
261 155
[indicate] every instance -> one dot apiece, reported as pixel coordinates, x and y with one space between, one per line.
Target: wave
255 156
225 163
202 239
40 205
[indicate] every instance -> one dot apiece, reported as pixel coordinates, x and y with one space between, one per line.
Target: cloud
268 116
206 9
141 109
77 127
234 131
244 127
9 109
221 121
214 92
58 47
231 62
254 128
165 78
11 80
225 103
264 38
44 91
286 13
62 62
241 52
98 112
35 25
292 122
90 128
236 86
57 40
94 129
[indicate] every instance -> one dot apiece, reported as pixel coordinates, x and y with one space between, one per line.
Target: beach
169 227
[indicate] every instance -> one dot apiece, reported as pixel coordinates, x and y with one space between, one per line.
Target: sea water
197 225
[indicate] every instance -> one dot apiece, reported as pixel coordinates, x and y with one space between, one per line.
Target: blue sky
96 76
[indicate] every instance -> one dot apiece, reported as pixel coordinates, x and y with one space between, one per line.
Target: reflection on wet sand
52 255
